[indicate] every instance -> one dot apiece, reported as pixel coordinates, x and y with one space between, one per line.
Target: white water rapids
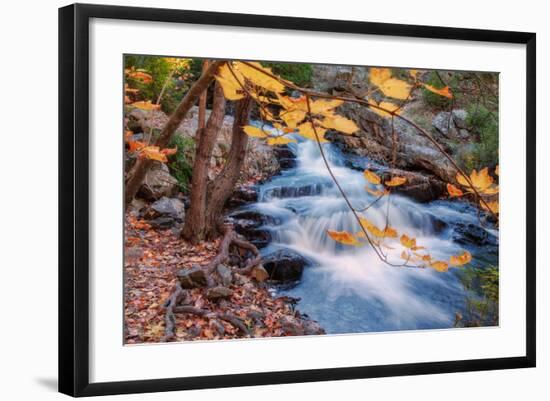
349 289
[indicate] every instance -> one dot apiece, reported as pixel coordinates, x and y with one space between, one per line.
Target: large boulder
339 78
284 266
452 125
158 183
166 212
472 234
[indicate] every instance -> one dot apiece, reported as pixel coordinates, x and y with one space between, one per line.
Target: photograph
277 199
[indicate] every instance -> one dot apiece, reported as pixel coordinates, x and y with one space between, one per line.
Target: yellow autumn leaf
392 87
321 106
492 206
481 180
454 191
279 140
370 227
146 105
306 130
232 90
396 88
384 109
440 266
258 75
491 191
414 74
462 259
293 117
343 237
446 91
339 123
408 242
254 132
378 76
396 181
372 177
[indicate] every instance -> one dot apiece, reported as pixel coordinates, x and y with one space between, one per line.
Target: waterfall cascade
349 289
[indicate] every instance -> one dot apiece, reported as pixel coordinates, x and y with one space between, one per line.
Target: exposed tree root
173 306
228 317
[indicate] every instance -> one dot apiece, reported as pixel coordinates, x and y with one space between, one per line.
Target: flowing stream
349 289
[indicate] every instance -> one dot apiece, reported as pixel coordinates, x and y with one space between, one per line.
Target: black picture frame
74 198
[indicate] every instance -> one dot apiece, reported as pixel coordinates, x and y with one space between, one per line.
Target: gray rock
169 207
225 273
158 183
219 292
452 124
193 277
335 78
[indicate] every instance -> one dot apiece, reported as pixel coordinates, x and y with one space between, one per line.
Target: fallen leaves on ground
152 258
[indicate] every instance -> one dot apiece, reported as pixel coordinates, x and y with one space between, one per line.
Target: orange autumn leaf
445 92
440 266
497 170
134 146
462 259
141 76
396 181
153 153
454 191
343 237
169 151
390 232
408 242
372 177
146 105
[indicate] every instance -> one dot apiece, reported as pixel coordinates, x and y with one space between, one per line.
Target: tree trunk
222 187
202 103
140 168
194 228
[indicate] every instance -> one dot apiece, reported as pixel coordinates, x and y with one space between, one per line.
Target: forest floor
152 259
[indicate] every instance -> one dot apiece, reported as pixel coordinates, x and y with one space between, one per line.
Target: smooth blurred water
349 289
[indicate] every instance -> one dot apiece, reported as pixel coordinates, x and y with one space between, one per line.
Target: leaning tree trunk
140 168
222 187
194 228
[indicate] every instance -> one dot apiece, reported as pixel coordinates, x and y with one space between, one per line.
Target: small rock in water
284 265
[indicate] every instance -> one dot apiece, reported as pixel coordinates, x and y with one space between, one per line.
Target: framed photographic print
249 199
